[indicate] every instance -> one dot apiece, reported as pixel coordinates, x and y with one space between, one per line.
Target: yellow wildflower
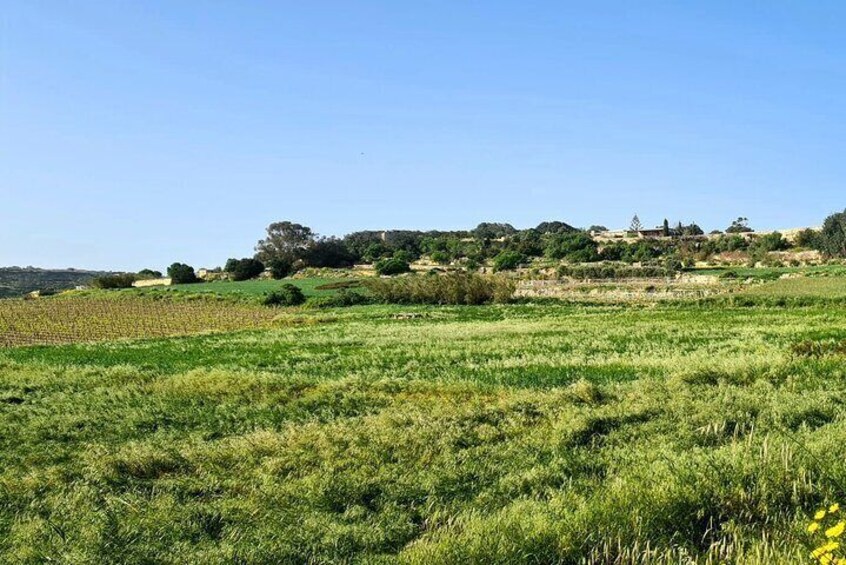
824 549
834 507
813 527
820 514
836 530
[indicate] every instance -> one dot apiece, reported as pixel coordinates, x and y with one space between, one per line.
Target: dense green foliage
180 273
244 269
453 288
490 243
117 280
832 240
391 266
280 267
508 260
502 434
576 247
286 295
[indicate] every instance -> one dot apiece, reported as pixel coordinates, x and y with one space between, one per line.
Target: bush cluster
120 280
287 295
392 266
508 261
453 288
340 299
614 271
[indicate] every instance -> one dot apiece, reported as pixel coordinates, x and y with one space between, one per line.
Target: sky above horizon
136 134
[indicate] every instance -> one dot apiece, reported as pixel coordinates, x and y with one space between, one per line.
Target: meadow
683 432
312 286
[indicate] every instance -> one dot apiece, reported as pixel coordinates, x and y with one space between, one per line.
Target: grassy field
254 288
772 273
677 433
828 288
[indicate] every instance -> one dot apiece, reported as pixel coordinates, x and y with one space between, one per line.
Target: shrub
508 261
180 273
244 269
288 295
770 242
340 299
392 266
453 288
440 257
808 238
615 271
120 280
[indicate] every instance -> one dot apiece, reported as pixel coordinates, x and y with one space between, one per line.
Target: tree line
288 247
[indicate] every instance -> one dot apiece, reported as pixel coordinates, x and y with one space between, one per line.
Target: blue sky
135 134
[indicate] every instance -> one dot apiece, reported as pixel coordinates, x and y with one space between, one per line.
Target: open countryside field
623 433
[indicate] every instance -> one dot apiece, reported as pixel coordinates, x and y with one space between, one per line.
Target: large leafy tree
327 252
832 239
285 240
180 273
244 269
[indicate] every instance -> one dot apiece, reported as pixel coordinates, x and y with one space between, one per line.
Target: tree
527 242
244 269
635 226
665 230
280 268
597 229
691 229
576 247
488 230
832 238
180 273
149 274
327 252
740 225
554 227
284 240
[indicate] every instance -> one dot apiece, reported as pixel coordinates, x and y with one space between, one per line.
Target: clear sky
134 134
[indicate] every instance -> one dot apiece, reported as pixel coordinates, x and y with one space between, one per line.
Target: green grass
831 288
258 287
773 273
380 434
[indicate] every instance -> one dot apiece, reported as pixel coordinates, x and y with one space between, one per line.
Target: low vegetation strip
56 321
